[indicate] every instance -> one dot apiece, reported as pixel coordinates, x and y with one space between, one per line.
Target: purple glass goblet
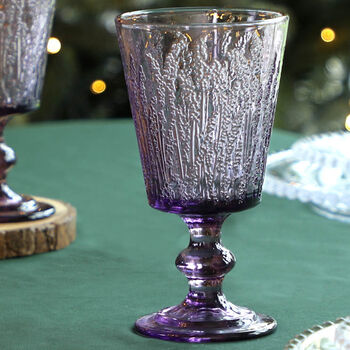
24 31
203 87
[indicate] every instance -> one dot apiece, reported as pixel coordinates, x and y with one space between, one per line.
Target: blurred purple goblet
203 87
24 30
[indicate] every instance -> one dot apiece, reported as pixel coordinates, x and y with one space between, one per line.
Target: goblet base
200 325
28 209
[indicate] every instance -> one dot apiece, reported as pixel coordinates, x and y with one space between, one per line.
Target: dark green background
292 263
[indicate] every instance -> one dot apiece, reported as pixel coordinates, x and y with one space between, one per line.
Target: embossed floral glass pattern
24 30
203 88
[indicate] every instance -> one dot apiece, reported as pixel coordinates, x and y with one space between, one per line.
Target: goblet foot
26 210
198 325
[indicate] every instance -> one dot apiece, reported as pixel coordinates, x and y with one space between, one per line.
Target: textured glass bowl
327 336
330 150
24 30
315 170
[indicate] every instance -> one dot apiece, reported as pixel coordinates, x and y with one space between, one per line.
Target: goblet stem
8 198
205 261
14 207
205 315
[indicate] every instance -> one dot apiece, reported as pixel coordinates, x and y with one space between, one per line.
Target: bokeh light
98 86
347 122
328 35
53 46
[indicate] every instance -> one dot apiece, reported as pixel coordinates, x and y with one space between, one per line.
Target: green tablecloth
292 264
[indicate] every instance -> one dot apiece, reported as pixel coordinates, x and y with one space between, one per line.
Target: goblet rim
129 19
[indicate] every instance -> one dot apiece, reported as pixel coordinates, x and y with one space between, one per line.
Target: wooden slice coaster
39 236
